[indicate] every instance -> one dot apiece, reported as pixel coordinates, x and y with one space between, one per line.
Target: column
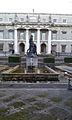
15 42
49 42
38 41
27 41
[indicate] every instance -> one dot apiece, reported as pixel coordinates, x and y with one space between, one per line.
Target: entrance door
43 48
21 48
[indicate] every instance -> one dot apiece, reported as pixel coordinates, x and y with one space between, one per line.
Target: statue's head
31 36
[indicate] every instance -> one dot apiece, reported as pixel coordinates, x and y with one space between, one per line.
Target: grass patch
69 103
3 111
22 115
1 95
10 98
43 95
30 100
26 114
38 106
47 117
56 99
70 98
18 104
60 113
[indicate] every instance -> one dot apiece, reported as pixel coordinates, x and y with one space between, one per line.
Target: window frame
64 21
63 50
1 19
2 33
9 35
1 50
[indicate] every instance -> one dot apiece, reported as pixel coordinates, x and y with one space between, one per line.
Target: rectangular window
43 36
33 34
10 19
63 48
10 34
54 20
1 47
54 48
1 19
22 35
64 34
64 20
54 35
11 47
22 19
71 48
1 34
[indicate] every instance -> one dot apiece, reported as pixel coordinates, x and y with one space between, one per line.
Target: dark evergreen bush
49 60
14 59
68 59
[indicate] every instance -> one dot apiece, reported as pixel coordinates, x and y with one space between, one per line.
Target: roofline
36 13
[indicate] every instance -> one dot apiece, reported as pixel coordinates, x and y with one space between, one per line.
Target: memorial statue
32 48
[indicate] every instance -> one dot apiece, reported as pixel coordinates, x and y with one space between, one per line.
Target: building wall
59 24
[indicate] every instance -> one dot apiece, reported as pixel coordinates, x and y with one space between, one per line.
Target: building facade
52 33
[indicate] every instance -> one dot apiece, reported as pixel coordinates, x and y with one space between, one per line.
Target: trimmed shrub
14 59
49 60
68 59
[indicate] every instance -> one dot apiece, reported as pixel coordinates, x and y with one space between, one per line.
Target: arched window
43 48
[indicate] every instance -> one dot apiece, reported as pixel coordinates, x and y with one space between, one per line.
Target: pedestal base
32 61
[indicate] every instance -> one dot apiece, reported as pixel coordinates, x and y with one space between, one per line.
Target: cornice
35 24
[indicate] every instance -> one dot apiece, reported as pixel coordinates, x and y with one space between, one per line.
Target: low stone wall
3 67
30 77
11 70
51 70
8 75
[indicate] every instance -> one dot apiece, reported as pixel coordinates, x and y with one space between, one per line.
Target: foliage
39 106
69 103
14 59
49 60
8 99
68 59
56 99
18 104
43 95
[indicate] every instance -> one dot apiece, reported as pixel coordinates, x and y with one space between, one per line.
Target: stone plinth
32 61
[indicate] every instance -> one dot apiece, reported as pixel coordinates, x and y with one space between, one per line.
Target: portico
40 36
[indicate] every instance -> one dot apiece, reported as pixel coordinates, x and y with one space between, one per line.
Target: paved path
34 85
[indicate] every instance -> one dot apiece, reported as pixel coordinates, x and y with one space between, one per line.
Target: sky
39 6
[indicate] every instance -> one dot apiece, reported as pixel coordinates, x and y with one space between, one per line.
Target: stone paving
38 104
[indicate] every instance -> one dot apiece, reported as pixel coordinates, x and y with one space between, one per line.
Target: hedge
49 60
14 59
68 59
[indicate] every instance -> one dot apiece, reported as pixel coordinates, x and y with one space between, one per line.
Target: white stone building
51 32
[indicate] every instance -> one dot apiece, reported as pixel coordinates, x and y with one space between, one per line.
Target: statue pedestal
32 61
31 64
